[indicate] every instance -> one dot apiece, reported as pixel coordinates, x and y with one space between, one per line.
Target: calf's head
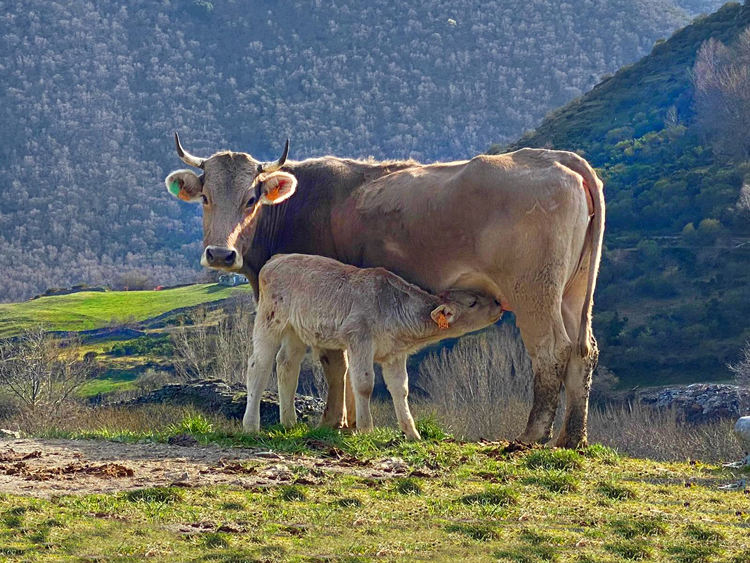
463 311
233 188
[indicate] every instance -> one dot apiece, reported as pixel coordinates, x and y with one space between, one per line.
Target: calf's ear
444 315
276 187
184 184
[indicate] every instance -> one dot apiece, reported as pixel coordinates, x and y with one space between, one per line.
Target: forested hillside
93 91
670 136
696 7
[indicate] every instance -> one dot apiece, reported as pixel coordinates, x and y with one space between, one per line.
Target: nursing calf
371 313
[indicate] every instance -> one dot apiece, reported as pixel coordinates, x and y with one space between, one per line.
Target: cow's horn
274 166
185 156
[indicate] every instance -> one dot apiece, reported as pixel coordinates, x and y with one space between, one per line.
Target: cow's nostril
230 257
209 256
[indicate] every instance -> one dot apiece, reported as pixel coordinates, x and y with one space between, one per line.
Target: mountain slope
673 301
93 91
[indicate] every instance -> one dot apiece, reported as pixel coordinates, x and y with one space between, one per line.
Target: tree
42 372
721 77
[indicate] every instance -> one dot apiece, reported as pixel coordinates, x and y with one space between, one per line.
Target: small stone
185 440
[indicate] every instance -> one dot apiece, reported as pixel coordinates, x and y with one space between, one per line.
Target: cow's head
233 188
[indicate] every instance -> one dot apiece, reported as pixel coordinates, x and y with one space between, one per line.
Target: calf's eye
474 304
251 201
205 199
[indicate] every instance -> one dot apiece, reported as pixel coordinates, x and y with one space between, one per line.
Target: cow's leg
288 362
397 380
362 373
577 378
334 369
548 345
259 367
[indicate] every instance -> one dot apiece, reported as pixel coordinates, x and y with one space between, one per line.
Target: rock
185 440
742 431
216 396
700 402
9 434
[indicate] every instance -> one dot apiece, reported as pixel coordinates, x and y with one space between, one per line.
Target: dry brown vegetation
481 388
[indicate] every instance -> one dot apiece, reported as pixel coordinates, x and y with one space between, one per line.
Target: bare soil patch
43 468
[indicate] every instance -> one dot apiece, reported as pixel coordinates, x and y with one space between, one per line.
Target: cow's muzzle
221 258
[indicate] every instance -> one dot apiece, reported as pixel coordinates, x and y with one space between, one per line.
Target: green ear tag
174 188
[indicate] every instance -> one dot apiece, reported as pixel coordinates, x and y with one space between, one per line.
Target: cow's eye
205 199
251 201
474 304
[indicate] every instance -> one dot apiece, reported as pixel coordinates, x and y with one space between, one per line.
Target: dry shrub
482 386
40 375
641 431
121 420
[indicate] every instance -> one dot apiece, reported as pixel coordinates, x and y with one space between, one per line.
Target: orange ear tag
274 194
442 321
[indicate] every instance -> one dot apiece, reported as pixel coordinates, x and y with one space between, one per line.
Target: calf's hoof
250 426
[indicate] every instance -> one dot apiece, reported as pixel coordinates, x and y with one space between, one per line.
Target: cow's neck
265 241
333 177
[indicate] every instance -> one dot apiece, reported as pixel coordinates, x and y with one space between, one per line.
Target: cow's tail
593 244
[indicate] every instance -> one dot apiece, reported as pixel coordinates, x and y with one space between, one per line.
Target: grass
619 509
114 380
89 310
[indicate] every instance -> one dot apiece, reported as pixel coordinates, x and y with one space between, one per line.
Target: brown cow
371 313
525 227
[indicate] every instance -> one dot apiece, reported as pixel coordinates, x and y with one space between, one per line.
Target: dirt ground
43 468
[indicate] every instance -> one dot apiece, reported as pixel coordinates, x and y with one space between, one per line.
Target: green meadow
90 310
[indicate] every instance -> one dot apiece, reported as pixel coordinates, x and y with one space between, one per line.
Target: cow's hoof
571 442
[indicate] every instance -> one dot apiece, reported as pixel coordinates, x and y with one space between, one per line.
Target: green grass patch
601 453
633 550
192 423
348 502
558 459
478 531
555 481
691 553
292 493
492 496
630 528
615 491
407 486
163 495
703 533
535 554
430 429
114 380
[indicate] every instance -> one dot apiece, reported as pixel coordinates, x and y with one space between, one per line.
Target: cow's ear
444 315
276 187
184 184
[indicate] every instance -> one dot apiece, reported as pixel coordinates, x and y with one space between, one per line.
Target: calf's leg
362 373
350 412
334 364
288 362
265 346
397 380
